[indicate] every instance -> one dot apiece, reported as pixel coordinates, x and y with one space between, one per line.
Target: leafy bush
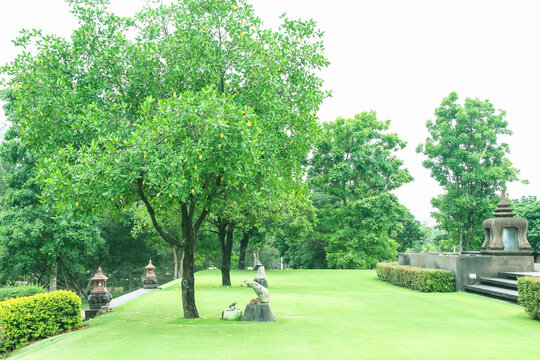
8 292
416 278
529 295
27 319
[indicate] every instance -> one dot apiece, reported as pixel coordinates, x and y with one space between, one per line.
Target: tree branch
167 237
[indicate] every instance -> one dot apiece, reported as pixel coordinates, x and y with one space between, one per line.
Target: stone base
149 282
508 252
263 282
228 314
91 313
258 312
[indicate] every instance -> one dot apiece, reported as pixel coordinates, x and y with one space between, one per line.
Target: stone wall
463 265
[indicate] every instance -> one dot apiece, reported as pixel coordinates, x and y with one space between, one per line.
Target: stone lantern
100 297
505 234
150 281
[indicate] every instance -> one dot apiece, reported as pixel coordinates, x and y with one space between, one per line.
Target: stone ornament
504 232
150 281
100 297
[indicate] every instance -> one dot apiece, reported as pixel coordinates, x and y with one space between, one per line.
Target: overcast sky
398 58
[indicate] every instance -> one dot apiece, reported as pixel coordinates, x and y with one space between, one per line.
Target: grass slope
320 314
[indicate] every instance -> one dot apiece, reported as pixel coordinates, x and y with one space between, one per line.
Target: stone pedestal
228 314
98 299
149 282
258 312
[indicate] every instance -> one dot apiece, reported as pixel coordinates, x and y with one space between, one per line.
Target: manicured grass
320 314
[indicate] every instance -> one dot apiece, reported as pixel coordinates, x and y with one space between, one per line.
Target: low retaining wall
468 268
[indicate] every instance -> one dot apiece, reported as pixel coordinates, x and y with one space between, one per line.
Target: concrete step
516 274
505 283
495 291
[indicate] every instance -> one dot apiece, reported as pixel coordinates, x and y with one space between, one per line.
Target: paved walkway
121 300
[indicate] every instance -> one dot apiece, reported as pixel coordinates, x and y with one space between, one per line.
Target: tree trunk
65 279
54 277
460 239
243 246
180 266
255 257
468 245
226 242
175 262
189 235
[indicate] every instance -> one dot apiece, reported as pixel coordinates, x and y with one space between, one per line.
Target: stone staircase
502 287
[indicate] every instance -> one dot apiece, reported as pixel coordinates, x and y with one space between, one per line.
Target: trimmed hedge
529 295
416 278
27 319
9 292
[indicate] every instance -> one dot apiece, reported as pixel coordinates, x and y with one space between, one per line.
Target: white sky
399 58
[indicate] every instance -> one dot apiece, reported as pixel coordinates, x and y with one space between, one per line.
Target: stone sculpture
258 309
505 233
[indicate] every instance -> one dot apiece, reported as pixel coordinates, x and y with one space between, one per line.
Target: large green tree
351 173
466 157
180 108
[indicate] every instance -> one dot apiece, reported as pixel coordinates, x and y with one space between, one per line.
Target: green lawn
320 314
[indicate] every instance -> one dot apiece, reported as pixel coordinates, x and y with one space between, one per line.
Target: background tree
293 230
466 157
410 234
351 173
38 242
201 103
528 207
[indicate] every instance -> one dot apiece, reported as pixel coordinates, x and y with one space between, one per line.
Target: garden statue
258 309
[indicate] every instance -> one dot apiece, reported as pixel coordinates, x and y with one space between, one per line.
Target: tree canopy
351 173
467 158
179 109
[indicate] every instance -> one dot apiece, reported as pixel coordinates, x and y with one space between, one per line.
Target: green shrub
427 280
27 319
529 295
9 292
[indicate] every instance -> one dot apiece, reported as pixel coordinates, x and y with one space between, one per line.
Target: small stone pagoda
505 234
150 281
100 297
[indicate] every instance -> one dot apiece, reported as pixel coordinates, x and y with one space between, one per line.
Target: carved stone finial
503 207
